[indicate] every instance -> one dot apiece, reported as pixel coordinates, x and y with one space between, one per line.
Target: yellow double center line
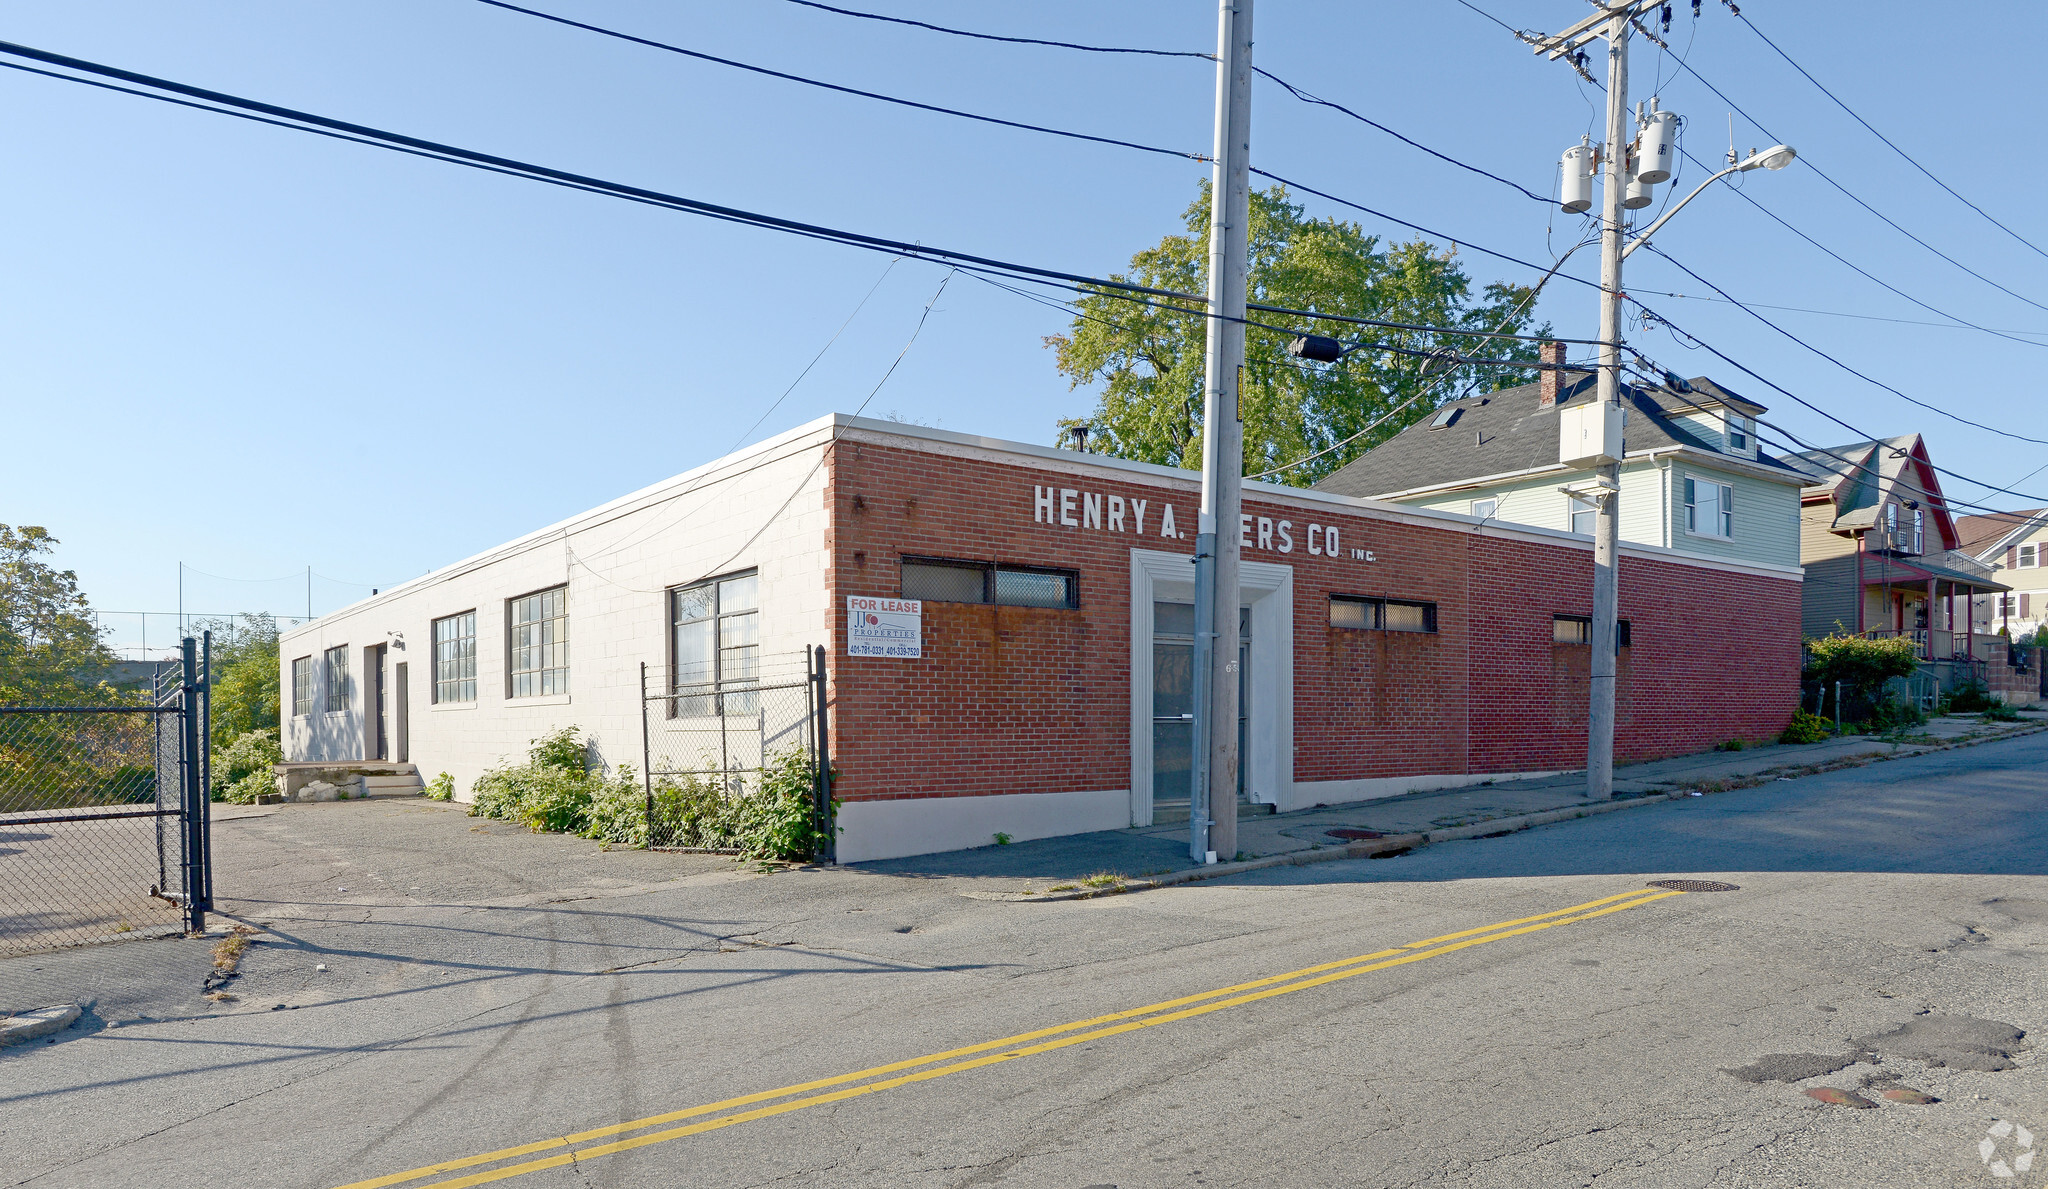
728 1111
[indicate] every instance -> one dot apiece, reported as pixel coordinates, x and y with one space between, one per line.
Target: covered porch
1906 595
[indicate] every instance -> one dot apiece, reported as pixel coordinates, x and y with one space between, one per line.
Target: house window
302 686
455 658
1891 526
539 643
1387 615
1583 516
1738 433
939 581
1919 530
716 628
2008 606
1578 629
1486 509
2030 556
337 679
1709 508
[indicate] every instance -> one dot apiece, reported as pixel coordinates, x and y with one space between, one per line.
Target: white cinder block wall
763 508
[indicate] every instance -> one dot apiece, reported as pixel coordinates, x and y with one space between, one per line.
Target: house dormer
1717 417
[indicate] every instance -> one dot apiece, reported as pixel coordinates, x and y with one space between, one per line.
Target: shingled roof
1509 432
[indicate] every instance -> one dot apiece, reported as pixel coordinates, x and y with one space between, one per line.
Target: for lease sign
884 627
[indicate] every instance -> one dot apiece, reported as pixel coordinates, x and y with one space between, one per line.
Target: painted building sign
1066 507
884 627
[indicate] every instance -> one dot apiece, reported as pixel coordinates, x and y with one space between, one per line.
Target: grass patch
1104 879
228 953
1065 887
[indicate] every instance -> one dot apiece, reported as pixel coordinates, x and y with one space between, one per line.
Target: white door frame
1266 588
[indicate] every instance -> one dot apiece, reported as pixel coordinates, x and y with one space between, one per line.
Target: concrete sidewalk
1079 865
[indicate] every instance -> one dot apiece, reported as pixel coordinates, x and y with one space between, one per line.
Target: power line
812 82
1838 363
222 103
1065 45
1829 179
891 267
1763 305
1861 435
1889 143
1318 101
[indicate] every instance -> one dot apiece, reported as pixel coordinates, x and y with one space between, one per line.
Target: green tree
1148 359
51 652
246 696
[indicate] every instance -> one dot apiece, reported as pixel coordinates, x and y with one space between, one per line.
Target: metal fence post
188 770
646 755
206 771
830 850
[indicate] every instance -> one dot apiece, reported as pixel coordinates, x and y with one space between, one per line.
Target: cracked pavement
485 987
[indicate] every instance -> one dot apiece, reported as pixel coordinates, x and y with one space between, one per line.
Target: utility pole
1212 793
1607 501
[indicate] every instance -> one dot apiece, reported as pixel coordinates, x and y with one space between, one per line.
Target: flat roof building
1008 628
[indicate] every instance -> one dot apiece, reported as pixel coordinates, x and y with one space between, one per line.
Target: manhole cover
1694 885
1353 832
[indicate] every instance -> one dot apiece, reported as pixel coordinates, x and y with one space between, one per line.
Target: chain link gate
706 745
104 815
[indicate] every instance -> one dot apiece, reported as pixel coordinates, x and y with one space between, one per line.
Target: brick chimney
1548 381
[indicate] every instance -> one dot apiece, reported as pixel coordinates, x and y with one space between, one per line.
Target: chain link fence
711 745
102 821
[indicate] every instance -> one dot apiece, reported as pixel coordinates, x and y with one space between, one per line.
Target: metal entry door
1173 704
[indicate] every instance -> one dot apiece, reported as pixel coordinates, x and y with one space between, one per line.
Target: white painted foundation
1309 794
928 825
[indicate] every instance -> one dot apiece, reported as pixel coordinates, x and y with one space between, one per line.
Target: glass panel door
1173 706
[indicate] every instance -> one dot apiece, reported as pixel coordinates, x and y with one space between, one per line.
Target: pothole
1956 1042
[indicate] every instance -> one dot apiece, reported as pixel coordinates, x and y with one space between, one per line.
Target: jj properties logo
2007 1149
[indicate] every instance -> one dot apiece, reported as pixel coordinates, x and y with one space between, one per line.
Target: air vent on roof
1445 417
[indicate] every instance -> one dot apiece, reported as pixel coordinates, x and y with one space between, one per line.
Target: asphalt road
1520 1011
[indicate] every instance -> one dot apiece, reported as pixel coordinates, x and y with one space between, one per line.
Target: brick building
1387 648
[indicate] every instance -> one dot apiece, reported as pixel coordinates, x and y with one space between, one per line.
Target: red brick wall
1015 700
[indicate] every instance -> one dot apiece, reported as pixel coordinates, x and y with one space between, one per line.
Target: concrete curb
1399 844
31 1025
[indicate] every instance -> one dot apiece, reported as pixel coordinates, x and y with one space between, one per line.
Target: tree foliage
246 694
1148 358
51 653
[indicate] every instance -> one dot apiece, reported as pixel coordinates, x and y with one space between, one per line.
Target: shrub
1730 745
780 821
1805 728
241 770
551 791
1968 697
1862 665
441 788
2000 712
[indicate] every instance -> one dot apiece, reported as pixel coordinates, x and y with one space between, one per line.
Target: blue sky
252 350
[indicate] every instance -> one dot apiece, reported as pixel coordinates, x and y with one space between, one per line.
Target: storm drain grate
1353 832
1694 885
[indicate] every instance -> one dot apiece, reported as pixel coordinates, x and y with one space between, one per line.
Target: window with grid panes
539 641
302 686
455 658
939 581
337 678
716 631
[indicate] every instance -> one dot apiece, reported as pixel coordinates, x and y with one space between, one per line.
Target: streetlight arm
1651 230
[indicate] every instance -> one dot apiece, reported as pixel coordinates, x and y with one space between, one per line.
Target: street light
1774 158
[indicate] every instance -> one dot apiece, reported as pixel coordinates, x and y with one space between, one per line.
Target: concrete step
393 786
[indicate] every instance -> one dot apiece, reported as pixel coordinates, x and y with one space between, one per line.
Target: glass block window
1578 629
1389 615
302 686
455 658
336 662
716 631
539 640
939 581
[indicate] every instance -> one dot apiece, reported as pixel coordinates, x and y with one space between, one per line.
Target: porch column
1969 622
1930 619
1860 593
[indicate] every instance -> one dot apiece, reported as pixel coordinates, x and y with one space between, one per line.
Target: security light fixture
1775 157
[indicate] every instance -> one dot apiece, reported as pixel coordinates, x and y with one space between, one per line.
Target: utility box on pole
1590 435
